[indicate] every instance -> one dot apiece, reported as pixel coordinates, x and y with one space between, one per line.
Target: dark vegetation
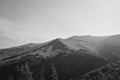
110 71
60 67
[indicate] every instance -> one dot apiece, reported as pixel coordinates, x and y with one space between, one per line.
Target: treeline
24 72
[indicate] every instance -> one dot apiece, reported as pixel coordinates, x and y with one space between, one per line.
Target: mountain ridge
72 56
73 43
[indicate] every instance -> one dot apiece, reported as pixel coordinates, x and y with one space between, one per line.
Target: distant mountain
90 42
64 58
110 48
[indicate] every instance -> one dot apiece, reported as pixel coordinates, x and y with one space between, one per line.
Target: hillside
61 59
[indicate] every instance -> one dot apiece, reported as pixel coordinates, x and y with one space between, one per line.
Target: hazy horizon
37 21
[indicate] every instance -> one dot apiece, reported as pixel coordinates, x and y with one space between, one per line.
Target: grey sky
24 21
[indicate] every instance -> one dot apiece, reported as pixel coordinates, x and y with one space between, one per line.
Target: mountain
61 59
110 48
90 42
14 51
